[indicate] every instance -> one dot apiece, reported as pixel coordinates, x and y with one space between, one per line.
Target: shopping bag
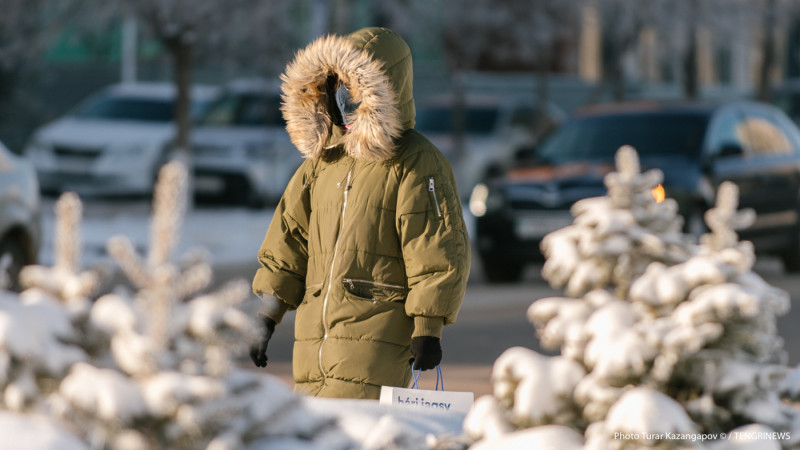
439 400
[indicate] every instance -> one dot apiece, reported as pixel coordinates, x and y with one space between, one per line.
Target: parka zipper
432 190
330 276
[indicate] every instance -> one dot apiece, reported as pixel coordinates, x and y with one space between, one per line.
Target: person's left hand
426 352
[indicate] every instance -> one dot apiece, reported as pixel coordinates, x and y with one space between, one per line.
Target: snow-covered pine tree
664 342
147 369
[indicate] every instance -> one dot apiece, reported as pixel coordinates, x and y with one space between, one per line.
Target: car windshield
244 109
598 138
127 108
440 119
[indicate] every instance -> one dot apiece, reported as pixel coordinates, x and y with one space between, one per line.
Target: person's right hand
426 352
258 350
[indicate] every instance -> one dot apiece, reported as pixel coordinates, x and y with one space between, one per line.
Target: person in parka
368 241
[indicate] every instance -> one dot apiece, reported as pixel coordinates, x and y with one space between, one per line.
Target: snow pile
664 342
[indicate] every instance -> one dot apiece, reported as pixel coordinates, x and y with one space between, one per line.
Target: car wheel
791 257
695 224
492 171
255 201
501 271
12 259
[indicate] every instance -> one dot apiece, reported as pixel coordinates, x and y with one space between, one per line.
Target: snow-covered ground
231 236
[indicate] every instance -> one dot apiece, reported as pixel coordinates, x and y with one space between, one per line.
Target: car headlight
37 149
483 200
40 154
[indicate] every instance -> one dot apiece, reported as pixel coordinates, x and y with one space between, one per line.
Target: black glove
258 350
426 352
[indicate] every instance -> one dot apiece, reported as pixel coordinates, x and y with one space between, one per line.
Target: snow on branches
661 339
151 369
614 238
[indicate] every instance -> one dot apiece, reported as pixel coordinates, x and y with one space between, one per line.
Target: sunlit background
570 52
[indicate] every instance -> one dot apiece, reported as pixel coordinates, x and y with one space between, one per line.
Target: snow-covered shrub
151 368
664 342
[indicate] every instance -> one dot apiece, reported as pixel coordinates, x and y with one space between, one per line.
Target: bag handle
439 377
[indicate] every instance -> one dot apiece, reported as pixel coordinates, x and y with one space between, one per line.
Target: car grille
210 150
525 205
77 153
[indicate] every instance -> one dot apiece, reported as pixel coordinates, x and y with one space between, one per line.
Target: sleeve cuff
428 326
273 308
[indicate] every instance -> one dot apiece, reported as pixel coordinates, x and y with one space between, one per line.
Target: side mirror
730 149
525 154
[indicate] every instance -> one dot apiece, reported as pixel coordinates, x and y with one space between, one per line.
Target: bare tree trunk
613 76
342 13
618 80
689 66
181 54
768 50
690 88
543 81
459 117
182 65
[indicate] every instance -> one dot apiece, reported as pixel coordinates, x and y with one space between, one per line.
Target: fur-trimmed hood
375 65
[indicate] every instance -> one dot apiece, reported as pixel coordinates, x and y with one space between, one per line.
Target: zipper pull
434 198
350 282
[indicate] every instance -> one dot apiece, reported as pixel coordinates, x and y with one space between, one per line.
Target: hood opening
375 65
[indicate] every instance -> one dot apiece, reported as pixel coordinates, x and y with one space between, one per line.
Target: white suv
112 143
242 152
493 129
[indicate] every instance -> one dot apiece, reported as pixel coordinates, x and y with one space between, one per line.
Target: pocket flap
374 291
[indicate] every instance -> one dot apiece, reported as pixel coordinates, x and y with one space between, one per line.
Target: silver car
242 152
20 228
112 143
492 129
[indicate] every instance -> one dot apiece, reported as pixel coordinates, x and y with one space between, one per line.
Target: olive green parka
368 242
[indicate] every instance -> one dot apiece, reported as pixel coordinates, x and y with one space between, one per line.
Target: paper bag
439 400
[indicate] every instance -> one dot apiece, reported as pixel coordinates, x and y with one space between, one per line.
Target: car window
441 119
599 137
522 117
126 108
789 127
788 102
221 112
244 109
724 133
762 134
536 120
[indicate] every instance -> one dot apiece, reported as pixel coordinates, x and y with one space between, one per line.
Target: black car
697 146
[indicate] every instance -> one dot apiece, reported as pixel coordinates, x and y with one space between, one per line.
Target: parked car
114 142
786 96
480 138
697 146
20 228
242 152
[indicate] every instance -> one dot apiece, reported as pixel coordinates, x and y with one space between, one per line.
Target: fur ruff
377 122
